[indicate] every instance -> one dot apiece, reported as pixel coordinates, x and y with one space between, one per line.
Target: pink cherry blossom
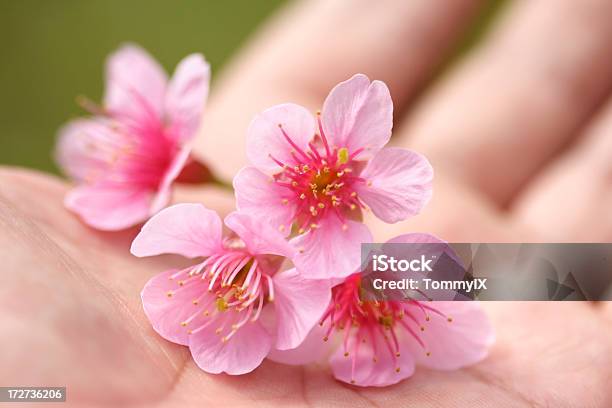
126 157
315 176
378 343
238 303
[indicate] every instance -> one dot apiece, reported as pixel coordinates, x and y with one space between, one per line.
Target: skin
519 133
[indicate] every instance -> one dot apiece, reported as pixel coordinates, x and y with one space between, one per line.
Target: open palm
519 135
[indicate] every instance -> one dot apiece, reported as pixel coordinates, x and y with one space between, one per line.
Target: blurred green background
53 51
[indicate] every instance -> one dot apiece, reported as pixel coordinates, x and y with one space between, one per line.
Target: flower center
374 322
236 282
128 152
321 181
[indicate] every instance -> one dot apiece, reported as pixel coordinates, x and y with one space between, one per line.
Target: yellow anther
386 321
221 304
321 205
302 196
285 201
343 155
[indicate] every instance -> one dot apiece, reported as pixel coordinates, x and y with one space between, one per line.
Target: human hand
508 163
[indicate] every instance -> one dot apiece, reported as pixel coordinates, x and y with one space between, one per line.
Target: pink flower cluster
284 282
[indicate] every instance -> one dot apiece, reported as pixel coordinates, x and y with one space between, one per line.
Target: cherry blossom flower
125 158
238 303
313 177
379 342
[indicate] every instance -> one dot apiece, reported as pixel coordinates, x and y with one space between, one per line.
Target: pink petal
77 152
108 207
168 305
265 138
186 96
331 251
358 114
257 195
366 372
241 354
191 230
299 304
401 184
258 235
452 345
164 190
135 85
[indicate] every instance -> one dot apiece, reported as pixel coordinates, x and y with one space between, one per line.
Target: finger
518 99
572 198
455 214
311 46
